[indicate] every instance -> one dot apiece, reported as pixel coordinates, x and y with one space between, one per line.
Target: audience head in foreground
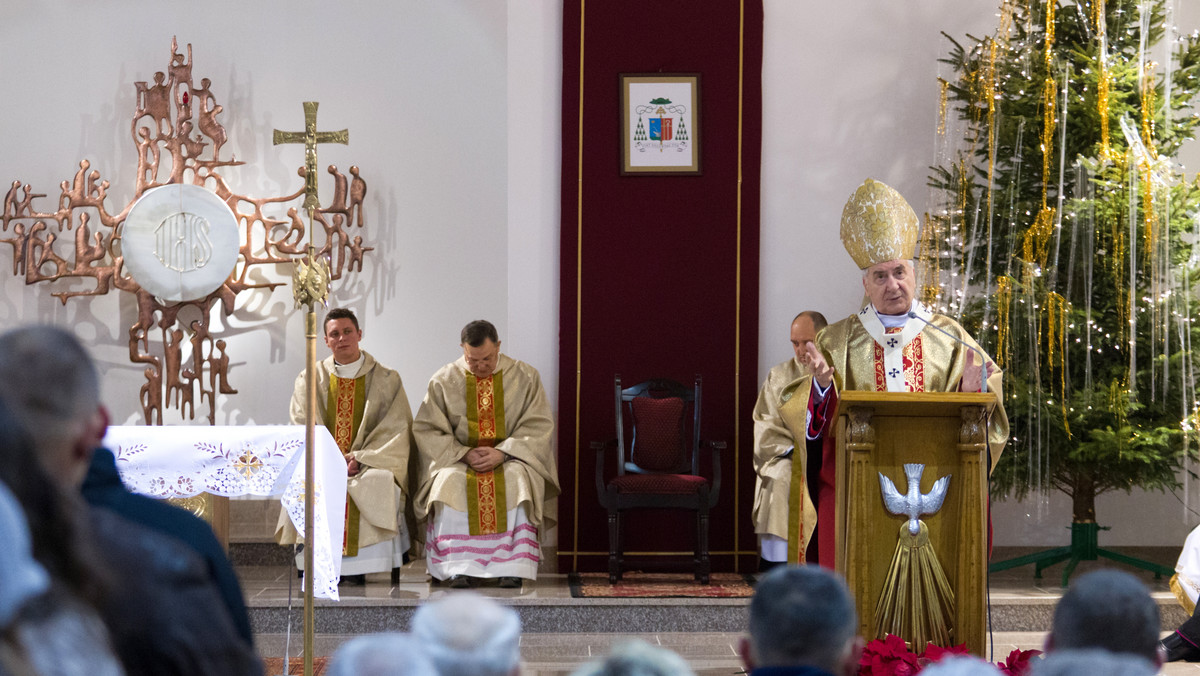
466 634
1110 610
802 616
1091 662
54 391
637 658
44 629
390 654
54 395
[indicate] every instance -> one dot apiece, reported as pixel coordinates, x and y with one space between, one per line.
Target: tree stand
1084 547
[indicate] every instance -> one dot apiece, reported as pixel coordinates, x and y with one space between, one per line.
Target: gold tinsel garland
1150 218
1104 85
1003 308
1056 347
943 97
929 260
1117 262
1049 100
1035 247
989 93
1148 96
964 188
1150 234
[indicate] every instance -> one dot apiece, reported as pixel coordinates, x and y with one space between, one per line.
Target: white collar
349 370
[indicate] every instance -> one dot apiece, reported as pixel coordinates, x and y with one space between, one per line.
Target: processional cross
311 287
311 281
310 137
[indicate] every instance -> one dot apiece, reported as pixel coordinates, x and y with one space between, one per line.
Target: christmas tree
1062 235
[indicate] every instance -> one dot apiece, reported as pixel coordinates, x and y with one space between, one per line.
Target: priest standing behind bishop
363 404
783 517
893 344
486 465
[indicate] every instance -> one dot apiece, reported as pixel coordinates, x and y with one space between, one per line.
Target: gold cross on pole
310 137
312 284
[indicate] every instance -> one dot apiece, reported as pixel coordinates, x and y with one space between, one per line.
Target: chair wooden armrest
600 447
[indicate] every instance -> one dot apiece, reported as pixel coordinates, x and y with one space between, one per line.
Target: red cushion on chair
674 484
658 445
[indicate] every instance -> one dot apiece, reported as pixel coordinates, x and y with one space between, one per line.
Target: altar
261 460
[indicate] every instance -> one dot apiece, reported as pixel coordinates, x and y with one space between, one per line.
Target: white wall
534 160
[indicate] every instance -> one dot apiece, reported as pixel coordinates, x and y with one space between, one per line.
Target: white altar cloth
263 460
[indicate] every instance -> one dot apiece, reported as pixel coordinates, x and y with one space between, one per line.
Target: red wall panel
659 273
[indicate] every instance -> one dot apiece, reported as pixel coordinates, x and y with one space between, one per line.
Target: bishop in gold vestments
892 344
365 408
486 466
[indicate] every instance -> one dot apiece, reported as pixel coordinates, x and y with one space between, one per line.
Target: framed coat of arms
660 124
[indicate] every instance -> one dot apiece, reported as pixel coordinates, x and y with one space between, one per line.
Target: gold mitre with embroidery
878 226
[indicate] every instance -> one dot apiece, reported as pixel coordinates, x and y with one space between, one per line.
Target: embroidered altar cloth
261 460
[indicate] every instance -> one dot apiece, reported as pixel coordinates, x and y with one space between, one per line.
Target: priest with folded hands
486 465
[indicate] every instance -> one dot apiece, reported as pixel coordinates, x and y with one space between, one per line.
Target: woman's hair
59 541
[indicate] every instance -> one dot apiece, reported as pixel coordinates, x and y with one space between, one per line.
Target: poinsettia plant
1018 662
891 656
888 656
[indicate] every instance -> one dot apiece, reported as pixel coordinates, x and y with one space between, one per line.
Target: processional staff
310 286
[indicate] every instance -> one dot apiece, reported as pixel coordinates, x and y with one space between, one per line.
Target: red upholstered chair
660 466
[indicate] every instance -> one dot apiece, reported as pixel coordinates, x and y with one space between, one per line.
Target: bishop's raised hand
821 371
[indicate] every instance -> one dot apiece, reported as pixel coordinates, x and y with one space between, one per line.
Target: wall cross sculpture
178 139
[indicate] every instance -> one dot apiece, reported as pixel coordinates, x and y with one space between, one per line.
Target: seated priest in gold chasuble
788 467
486 465
364 406
894 343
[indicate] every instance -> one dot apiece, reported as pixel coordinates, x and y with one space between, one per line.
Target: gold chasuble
911 358
915 358
508 411
484 524
802 513
780 459
344 415
370 419
486 500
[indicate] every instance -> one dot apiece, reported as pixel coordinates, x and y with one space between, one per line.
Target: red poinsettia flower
934 653
1018 662
888 656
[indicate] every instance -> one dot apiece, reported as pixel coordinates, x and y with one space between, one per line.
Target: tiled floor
547 654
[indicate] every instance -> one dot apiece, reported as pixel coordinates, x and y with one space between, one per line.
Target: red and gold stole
914 365
794 412
486 502
343 416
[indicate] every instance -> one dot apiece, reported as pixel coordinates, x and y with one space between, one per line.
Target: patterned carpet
274 666
659 585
